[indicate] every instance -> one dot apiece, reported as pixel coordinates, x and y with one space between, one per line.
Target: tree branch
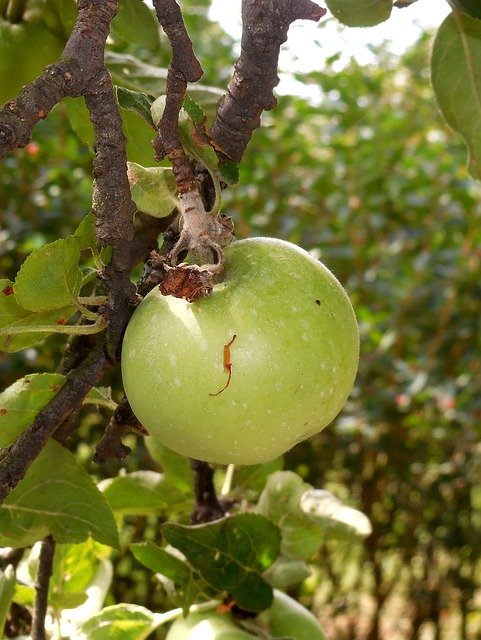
44 572
250 91
207 506
68 77
17 458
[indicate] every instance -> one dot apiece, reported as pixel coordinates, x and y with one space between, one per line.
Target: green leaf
21 401
455 64
190 131
287 572
194 111
7 590
130 72
230 554
140 493
56 497
161 561
254 476
472 7
229 172
12 314
176 468
153 189
138 133
281 503
137 102
119 622
360 13
102 397
337 519
77 568
135 24
85 232
50 277
59 17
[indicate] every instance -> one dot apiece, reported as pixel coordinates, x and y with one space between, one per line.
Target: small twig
44 573
265 25
111 445
207 506
184 68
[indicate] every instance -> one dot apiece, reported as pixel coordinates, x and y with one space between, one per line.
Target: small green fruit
207 626
360 13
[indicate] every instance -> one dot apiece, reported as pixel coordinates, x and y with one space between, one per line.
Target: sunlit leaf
21 401
13 315
153 189
455 64
56 497
140 492
120 622
50 277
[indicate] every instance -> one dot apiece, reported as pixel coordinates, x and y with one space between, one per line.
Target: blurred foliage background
370 180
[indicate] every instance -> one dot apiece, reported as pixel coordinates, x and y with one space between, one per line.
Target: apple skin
207 626
293 361
288 618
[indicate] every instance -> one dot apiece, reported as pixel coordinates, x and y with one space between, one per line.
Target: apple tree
233 351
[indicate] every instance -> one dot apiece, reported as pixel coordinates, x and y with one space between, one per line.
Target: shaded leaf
50 277
135 23
59 17
229 172
230 554
137 102
153 189
56 497
255 476
13 315
7 590
455 64
161 561
101 396
472 7
140 492
130 72
176 468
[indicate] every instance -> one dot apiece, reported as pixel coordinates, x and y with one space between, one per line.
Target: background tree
385 202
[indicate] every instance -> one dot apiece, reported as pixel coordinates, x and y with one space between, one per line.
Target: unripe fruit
241 377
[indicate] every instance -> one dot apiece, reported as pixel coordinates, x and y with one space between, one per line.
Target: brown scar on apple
227 365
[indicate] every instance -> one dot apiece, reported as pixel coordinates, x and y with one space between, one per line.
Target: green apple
288 618
207 626
242 376
360 13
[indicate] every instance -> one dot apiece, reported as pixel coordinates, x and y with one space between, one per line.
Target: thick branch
68 77
265 26
17 458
